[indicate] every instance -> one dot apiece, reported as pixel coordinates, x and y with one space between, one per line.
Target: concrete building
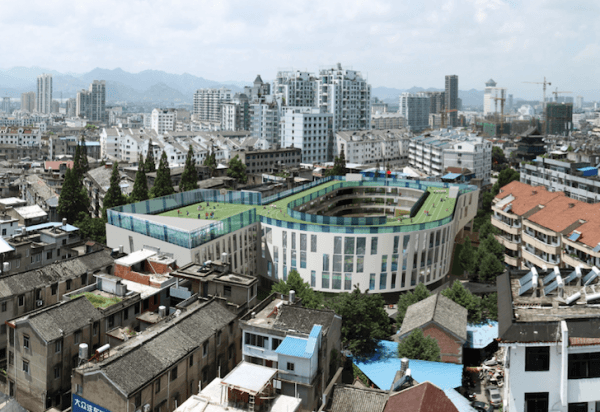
189 349
347 96
264 122
91 103
28 102
387 121
437 102
208 103
163 120
258 90
296 88
309 129
71 108
414 107
265 161
296 341
579 102
44 94
559 118
97 182
548 328
490 104
236 114
451 94
374 146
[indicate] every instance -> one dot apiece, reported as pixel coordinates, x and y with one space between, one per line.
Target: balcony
572 260
508 243
512 260
505 226
539 259
552 248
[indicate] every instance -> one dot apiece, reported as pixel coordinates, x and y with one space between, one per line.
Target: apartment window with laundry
537 358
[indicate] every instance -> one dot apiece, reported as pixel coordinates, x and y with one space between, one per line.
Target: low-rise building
28 215
39 194
264 161
97 182
364 147
387 121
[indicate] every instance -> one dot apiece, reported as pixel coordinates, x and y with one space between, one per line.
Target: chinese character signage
83 405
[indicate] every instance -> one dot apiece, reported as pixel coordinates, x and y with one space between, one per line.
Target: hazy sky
396 43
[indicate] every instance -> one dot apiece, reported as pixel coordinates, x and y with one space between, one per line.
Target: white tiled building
297 88
374 146
163 120
309 129
208 102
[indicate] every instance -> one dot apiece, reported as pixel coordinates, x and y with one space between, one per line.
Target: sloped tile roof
439 309
425 397
348 398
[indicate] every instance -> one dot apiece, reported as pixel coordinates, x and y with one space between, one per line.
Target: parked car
482 406
493 395
470 395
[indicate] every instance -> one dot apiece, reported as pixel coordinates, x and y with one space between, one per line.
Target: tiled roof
561 212
352 399
526 197
425 397
439 309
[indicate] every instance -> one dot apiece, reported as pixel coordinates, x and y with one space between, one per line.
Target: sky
398 44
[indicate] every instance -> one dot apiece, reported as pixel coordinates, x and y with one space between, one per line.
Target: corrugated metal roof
382 366
66 228
451 176
479 336
5 247
295 347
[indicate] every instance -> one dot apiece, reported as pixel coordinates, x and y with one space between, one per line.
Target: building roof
439 309
249 377
66 228
55 164
526 197
347 398
101 177
382 365
460 402
561 212
61 319
135 257
299 347
41 188
5 247
452 176
30 212
479 336
148 355
424 397
58 271
9 201
300 319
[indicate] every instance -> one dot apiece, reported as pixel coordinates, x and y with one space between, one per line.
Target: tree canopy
113 197
73 198
211 161
91 228
339 166
420 347
490 267
189 177
237 170
466 299
505 177
467 257
364 321
162 184
80 162
140 186
310 298
150 164
421 292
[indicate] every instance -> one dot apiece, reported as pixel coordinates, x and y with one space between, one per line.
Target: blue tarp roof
382 366
586 169
479 336
67 228
452 176
293 347
574 237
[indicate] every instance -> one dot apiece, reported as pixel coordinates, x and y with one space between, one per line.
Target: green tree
491 245
505 177
140 186
466 299
490 306
113 197
486 201
490 267
91 228
162 184
419 347
467 257
498 158
150 164
237 170
211 161
84 165
487 229
310 298
418 294
73 198
339 166
364 321
189 177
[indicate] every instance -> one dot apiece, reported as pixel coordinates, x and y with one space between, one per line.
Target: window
230 351
313 243
325 280
95 328
111 321
537 358
325 262
57 372
54 288
218 337
126 314
290 366
373 245
136 309
21 300
157 386
578 407
173 373
138 400
11 358
69 284
256 340
26 366
58 346
361 245
313 278
77 337
384 263
205 349
26 342
227 290
584 365
49 254
275 344
3 306
192 360
536 402
348 281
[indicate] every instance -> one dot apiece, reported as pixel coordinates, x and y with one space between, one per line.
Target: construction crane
443 113
545 83
556 93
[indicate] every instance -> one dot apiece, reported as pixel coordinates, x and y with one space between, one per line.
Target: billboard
83 405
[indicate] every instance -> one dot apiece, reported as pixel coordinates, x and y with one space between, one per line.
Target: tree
162 184
498 158
150 165
419 347
140 186
211 161
466 299
490 267
339 166
421 292
189 177
486 201
364 321
491 245
91 228
505 177
237 170
310 298
467 257
113 197
73 197
487 229
84 165
490 306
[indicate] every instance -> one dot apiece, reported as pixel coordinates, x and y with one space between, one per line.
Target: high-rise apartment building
208 103
437 102
91 103
235 115
44 93
296 88
264 122
415 109
559 118
258 91
492 95
163 120
28 102
71 107
452 99
6 106
579 102
347 96
309 129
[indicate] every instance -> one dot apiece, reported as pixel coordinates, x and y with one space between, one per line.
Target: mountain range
158 86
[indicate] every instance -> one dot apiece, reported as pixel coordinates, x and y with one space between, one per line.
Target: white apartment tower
347 96
415 109
491 96
208 102
91 103
44 93
309 129
235 115
296 88
265 122
163 120
28 102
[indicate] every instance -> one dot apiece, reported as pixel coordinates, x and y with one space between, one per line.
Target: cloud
398 43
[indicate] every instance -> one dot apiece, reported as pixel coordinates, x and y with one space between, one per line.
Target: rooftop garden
99 301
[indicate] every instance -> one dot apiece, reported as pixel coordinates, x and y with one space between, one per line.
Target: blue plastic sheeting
66 228
452 176
574 237
293 347
382 366
462 404
479 336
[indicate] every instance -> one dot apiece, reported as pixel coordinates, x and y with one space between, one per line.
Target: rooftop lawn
99 301
278 209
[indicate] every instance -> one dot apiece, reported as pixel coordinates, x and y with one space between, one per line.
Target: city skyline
394 45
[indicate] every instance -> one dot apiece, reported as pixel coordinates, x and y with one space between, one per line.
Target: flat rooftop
267 317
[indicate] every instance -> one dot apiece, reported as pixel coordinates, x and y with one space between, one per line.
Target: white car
494 397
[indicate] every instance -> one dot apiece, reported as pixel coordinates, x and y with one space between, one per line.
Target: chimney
571 205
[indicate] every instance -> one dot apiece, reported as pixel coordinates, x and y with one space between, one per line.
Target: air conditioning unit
39 302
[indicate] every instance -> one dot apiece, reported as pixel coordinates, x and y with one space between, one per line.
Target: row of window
580 365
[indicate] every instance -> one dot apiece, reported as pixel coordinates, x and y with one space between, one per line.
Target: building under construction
559 118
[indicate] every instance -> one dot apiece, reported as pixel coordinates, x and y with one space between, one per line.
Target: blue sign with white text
83 405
